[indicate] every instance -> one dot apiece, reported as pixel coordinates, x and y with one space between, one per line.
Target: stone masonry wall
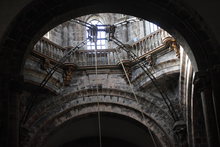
71 33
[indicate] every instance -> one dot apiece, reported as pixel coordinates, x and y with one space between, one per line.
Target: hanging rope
97 91
152 78
135 96
93 37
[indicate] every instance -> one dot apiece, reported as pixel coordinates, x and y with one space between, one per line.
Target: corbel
68 71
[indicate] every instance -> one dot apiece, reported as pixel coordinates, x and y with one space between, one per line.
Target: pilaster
207 84
10 90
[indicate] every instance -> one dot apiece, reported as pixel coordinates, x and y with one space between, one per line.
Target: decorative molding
173 45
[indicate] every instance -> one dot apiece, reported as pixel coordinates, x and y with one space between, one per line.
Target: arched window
101 41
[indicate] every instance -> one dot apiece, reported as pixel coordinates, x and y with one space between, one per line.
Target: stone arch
165 139
83 97
97 17
35 77
170 67
179 20
55 112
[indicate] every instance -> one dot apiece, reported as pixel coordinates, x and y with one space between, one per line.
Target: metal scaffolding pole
152 78
47 78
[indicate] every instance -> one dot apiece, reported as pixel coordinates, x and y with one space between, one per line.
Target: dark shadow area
94 142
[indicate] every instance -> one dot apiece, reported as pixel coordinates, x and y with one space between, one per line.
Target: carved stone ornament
68 74
176 47
172 44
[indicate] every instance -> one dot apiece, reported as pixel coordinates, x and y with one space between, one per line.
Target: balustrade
150 42
81 57
87 57
49 49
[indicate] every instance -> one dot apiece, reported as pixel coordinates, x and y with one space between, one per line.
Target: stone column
197 126
10 89
208 84
215 75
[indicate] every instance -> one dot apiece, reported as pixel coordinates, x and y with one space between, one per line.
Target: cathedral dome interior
113 73
90 70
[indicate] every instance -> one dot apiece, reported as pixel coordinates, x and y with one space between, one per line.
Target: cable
47 78
97 91
152 78
132 89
